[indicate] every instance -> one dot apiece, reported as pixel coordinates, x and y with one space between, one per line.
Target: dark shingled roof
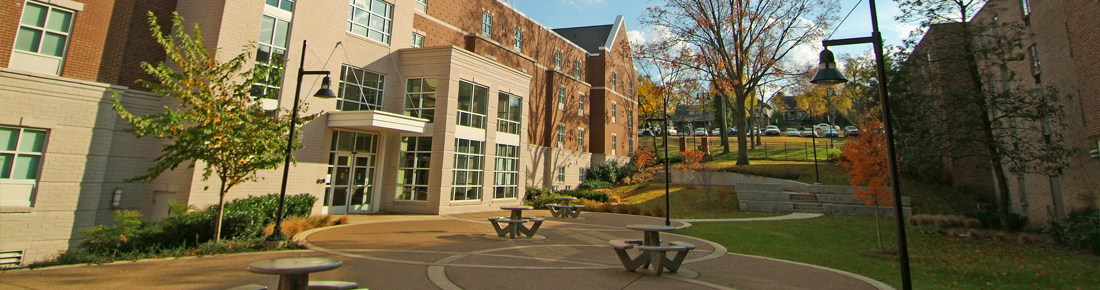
591 38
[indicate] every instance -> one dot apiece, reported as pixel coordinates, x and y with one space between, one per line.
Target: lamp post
323 93
827 74
817 174
664 113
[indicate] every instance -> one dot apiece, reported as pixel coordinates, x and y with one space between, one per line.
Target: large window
561 173
417 40
21 152
487 24
413 170
557 60
577 69
44 33
420 99
371 19
517 41
614 81
472 104
561 97
580 105
580 139
561 135
509 112
506 177
271 53
468 169
360 90
614 111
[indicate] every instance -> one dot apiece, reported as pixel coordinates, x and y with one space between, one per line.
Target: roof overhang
376 121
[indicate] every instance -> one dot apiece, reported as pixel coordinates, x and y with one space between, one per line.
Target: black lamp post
323 93
827 74
817 174
668 178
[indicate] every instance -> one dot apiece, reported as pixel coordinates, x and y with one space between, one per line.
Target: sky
577 13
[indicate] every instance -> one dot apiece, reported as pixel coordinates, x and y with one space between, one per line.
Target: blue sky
574 13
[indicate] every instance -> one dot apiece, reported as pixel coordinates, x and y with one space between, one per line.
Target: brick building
1060 44
443 107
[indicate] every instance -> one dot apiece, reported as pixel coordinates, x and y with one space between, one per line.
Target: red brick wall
1083 28
107 42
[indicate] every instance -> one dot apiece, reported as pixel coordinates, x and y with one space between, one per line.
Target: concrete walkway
792 216
459 252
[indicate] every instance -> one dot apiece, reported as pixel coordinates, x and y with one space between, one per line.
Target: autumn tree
667 82
1007 123
217 125
866 163
742 44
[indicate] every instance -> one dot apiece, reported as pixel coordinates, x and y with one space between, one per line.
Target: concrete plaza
459 252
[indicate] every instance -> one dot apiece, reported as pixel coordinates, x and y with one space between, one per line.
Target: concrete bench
332 285
558 210
516 227
249 287
656 255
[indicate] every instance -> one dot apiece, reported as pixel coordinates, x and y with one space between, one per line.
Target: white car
671 131
792 132
700 132
716 132
771 130
822 126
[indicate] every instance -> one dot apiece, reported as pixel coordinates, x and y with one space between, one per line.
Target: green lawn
771 147
936 263
687 202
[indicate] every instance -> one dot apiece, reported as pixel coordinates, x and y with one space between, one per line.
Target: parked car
645 133
700 132
829 132
807 133
733 131
851 131
822 126
671 131
716 132
792 132
772 130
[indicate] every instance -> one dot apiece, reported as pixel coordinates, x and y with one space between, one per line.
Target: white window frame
561 135
614 81
614 143
472 173
580 139
487 24
614 111
361 26
557 60
16 152
416 96
361 100
276 52
505 123
580 104
420 170
472 118
517 40
561 174
506 172
577 68
417 40
561 98
43 31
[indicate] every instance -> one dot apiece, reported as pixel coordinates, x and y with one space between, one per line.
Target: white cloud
635 36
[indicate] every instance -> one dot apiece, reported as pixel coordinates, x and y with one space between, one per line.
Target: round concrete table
652 233
517 211
293 272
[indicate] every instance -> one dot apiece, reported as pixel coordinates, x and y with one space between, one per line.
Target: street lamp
323 93
827 74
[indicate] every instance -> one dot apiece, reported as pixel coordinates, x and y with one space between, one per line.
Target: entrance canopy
376 121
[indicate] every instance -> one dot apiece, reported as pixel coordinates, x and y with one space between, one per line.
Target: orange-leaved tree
642 159
865 159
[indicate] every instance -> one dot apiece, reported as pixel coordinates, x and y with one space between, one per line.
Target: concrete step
766 187
804 197
809 207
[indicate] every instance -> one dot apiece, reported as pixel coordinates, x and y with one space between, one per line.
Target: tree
668 83
865 161
742 44
981 109
216 123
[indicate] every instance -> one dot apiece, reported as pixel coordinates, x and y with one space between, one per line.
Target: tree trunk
739 117
1004 198
878 223
221 210
725 126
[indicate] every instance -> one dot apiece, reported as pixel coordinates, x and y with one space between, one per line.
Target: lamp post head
325 92
827 74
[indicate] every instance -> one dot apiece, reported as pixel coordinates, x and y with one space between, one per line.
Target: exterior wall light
116 199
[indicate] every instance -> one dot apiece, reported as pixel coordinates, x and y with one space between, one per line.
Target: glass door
351 173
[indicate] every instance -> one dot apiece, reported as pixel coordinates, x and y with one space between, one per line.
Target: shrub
992 220
626 208
590 184
294 226
671 160
128 233
606 207
535 193
543 199
603 171
1080 229
586 194
642 159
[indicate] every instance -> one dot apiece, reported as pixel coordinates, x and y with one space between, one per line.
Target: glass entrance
351 172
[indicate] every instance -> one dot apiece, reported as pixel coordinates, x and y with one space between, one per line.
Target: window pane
8 138
273 3
414 85
267 27
5 164
34 15
28 39
26 167
430 84
59 20
424 144
32 141
280 33
53 44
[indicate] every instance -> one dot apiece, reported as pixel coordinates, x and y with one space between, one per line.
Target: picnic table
564 208
515 223
653 250
294 272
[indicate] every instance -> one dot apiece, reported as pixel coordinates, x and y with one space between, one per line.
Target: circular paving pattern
462 252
